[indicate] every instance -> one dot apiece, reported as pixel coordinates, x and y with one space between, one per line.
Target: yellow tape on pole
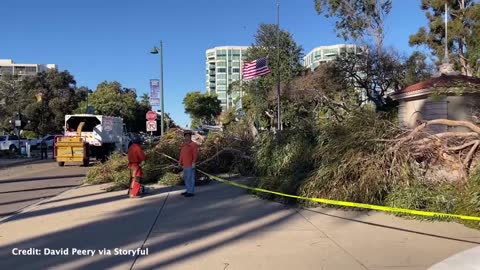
341 203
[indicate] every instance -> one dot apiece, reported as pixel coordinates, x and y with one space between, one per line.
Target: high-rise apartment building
8 66
324 54
224 66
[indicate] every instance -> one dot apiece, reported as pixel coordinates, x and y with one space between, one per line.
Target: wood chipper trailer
72 148
87 136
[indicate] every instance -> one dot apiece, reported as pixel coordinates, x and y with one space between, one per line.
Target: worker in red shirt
188 157
135 157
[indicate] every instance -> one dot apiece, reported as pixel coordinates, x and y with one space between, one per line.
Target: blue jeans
189 179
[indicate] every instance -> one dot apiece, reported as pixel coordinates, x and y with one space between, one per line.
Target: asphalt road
26 184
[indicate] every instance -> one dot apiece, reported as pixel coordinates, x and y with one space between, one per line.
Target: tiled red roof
442 81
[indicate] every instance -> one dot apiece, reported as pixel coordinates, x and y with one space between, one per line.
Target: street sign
155 101
151 126
151 116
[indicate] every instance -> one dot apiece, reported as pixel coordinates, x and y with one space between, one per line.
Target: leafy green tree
202 108
463 32
60 97
262 93
83 95
417 68
13 100
357 19
137 124
111 99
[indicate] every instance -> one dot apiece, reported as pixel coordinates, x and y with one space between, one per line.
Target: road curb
29 208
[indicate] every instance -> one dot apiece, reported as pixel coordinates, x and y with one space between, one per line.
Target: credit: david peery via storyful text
79 252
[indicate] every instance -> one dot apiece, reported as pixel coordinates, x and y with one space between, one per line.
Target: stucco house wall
453 97
461 108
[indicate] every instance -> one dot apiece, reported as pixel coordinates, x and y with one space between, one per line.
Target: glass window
221 64
221 76
235 64
222 87
221 70
236 70
236 57
2 138
13 138
330 51
221 82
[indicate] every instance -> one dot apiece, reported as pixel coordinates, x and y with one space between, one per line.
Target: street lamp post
156 50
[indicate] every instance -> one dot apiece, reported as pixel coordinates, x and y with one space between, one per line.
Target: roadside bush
283 160
470 199
421 196
113 170
170 179
285 153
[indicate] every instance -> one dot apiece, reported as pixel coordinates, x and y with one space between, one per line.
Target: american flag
255 68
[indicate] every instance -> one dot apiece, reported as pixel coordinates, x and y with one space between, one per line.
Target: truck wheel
86 162
61 164
13 149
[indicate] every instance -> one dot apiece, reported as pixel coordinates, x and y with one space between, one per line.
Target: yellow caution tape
341 203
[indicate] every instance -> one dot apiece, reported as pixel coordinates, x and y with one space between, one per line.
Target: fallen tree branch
461 147
445 135
454 123
410 136
468 159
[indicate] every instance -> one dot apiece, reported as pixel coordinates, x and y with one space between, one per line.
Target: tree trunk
466 69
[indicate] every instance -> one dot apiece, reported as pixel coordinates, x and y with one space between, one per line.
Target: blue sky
98 40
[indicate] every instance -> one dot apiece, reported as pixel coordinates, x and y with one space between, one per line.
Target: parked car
11 143
48 138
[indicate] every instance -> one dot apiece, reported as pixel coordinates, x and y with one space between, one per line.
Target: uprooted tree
454 150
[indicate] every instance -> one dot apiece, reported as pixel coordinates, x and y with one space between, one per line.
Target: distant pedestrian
43 149
188 157
135 158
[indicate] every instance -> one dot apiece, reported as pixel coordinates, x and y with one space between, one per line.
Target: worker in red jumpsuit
135 157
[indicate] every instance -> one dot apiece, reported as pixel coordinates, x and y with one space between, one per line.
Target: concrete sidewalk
222 227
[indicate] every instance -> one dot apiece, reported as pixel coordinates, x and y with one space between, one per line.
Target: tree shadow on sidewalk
46 178
216 209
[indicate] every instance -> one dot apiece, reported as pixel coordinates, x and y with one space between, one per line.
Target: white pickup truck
11 142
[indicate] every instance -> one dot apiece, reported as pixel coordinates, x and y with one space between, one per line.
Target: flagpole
257 117
279 124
